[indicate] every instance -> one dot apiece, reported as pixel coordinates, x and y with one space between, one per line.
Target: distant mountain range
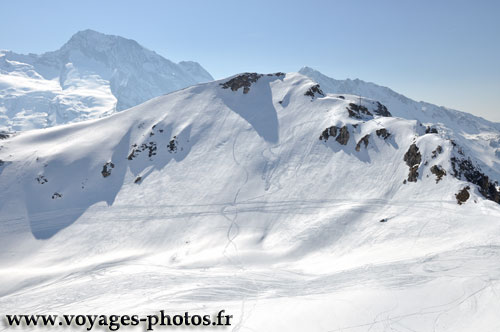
294 201
91 76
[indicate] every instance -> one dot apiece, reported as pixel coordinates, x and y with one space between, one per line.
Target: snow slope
480 138
91 76
289 208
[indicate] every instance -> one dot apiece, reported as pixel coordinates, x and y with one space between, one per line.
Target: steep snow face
91 76
477 137
259 194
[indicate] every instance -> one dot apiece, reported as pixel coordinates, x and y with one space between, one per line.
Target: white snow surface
234 203
91 76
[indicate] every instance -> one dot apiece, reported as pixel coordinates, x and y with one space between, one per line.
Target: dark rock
343 137
413 158
244 81
431 130
459 149
465 169
132 154
138 179
313 91
364 140
106 169
438 150
41 179
463 195
438 171
56 195
413 174
172 145
341 97
328 132
4 135
357 111
383 220
150 147
383 133
382 110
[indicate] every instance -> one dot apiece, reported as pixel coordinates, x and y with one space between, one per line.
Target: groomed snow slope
229 195
91 76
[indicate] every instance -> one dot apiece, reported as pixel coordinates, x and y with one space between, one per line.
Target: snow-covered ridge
254 193
76 165
91 76
479 138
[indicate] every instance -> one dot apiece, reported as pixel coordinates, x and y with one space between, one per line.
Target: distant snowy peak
91 76
196 71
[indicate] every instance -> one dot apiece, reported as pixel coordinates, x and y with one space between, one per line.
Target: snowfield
290 208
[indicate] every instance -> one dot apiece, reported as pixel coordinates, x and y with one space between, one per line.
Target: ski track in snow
285 235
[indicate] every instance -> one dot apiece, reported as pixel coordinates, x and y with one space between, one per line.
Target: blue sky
442 51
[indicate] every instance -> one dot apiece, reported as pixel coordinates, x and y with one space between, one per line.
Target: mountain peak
93 40
94 73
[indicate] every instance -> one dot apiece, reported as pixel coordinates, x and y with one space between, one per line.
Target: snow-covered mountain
480 138
290 208
91 76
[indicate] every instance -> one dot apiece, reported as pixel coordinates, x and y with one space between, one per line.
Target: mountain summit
90 76
254 193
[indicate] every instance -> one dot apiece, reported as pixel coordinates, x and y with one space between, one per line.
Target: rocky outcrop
413 158
56 195
172 145
358 111
364 140
4 135
464 169
438 171
244 81
463 195
149 147
431 130
382 110
383 133
328 132
343 136
106 169
439 150
314 91
41 179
